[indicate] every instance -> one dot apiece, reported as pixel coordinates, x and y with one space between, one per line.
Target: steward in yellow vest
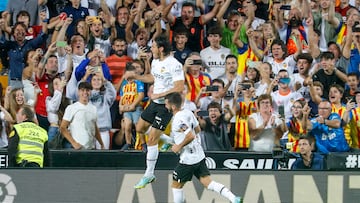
28 142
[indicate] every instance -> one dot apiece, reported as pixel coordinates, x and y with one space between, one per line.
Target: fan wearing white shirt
284 96
215 54
299 80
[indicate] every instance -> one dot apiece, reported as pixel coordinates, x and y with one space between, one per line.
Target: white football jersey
184 122
165 73
288 64
215 61
285 100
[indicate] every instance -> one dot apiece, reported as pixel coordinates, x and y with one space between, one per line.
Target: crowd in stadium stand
258 73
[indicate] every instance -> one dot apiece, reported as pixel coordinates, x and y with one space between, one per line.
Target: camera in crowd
294 22
282 155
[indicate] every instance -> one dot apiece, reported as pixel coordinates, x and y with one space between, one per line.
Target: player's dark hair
163 41
174 99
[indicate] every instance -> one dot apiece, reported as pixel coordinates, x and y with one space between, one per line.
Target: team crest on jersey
292 100
222 56
183 55
162 70
182 127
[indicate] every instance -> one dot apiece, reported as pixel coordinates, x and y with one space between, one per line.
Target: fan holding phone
284 97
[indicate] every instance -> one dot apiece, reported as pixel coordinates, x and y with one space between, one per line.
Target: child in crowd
131 93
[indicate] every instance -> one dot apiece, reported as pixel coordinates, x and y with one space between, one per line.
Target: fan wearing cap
98 39
284 97
79 121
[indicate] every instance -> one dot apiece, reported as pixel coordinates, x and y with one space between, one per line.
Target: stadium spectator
299 80
102 96
308 160
31 6
75 11
216 95
181 52
122 18
141 41
214 55
73 60
231 77
243 107
284 96
352 82
353 107
329 74
32 59
13 101
16 51
53 102
130 105
47 71
265 127
353 39
99 40
340 60
96 62
328 22
279 59
214 127
24 17
233 20
117 63
294 126
316 93
326 128
265 70
195 78
194 25
78 125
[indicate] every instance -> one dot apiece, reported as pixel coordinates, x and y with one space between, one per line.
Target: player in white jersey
185 130
167 76
215 54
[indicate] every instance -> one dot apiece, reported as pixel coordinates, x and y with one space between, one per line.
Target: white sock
166 139
222 190
178 195
151 159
